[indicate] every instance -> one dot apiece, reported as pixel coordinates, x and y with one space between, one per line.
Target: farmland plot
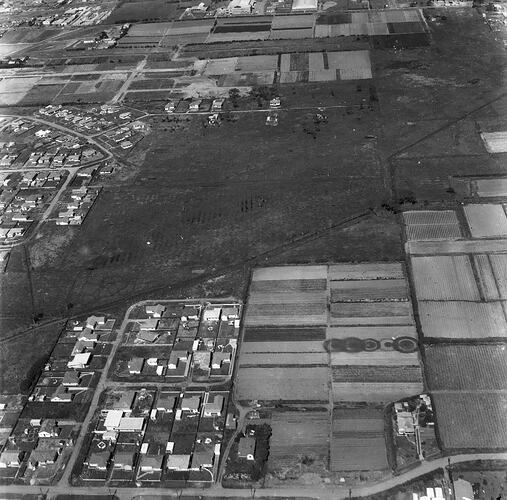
380 392
444 278
490 188
358 441
486 220
312 296
287 384
462 320
369 291
499 267
282 347
290 273
460 367
495 142
283 358
286 314
282 334
284 286
431 225
487 280
376 358
366 271
371 332
371 313
299 433
377 374
473 420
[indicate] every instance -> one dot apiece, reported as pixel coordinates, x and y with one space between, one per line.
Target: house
43 457
217 104
123 460
131 424
189 313
155 310
194 105
81 360
151 463
93 321
214 406
166 402
48 429
220 358
62 395
124 402
246 448
231 422
113 419
178 462
229 313
110 436
202 458
83 346
97 461
148 324
175 358
88 334
211 314
135 365
11 458
191 403
275 102
43 133
170 107
147 336
71 379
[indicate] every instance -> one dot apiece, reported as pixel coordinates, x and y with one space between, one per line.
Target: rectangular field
297 297
375 392
369 291
287 384
490 188
366 271
295 433
283 334
473 421
358 441
460 367
375 358
499 268
495 142
281 347
486 220
377 374
371 313
283 358
290 273
286 314
444 278
486 277
287 286
370 332
462 320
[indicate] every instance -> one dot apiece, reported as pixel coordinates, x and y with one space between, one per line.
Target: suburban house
49 428
178 462
62 395
202 458
214 406
211 314
43 457
191 403
93 321
151 463
71 379
11 458
135 365
220 358
123 460
155 310
246 448
175 358
80 360
131 424
189 313
97 461
113 419
147 336
238 7
166 402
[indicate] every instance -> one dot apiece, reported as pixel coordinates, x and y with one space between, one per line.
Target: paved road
328 493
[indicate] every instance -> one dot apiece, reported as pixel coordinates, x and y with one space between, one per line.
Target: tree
234 96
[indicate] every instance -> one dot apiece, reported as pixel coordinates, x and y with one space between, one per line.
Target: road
334 492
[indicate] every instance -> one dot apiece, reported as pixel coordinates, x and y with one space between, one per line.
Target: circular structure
386 344
370 345
405 344
353 344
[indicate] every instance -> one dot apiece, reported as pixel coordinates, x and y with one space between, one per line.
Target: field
152 10
431 225
472 421
358 441
462 320
295 434
286 384
283 334
486 221
283 359
466 368
444 278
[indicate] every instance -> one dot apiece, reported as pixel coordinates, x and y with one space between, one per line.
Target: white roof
240 4
79 359
131 424
113 419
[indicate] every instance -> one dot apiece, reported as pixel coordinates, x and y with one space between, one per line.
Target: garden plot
371 332
292 22
369 271
257 63
474 420
379 393
290 273
462 367
462 320
369 291
290 34
376 358
495 142
149 29
358 441
283 358
286 314
282 347
431 225
190 27
283 334
221 66
371 313
287 384
490 188
299 433
486 220
444 278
